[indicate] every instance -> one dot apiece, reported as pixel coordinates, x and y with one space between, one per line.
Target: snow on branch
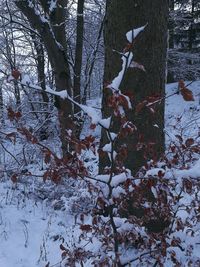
132 34
90 111
127 59
106 123
53 5
193 172
63 94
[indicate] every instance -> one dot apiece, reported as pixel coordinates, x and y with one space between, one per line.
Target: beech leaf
185 92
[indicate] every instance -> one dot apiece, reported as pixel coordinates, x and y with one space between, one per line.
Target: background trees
184 40
49 33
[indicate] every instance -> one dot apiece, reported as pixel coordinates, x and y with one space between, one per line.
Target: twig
10 153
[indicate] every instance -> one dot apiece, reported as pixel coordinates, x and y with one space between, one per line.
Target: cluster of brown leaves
185 92
117 100
13 115
148 103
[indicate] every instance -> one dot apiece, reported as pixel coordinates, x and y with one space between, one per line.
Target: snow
131 35
29 226
26 229
126 61
128 101
182 116
115 181
107 148
92 113
10 78
154 172
111 153
192 172
52 6
183 214
116 192
103 177
63 94
120 178
113 136
26 79
135 64
86 126
105 123
153 190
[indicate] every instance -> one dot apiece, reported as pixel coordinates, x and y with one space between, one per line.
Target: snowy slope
182 117
27 230
31 230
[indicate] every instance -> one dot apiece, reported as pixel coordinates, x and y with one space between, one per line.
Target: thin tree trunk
11 55
1 105
78 54
171 25
90 68
40 61
191 28
17 95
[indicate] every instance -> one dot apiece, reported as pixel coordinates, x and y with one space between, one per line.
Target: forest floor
33 223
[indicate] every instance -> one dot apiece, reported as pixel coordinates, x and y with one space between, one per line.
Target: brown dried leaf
11 137
16 74
185 92
140 106
62 247
189 142
86 227
14 178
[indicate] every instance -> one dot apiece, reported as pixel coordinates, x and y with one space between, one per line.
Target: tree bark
1 104
17 95
78 54
150 50
40 61
191 30
171 25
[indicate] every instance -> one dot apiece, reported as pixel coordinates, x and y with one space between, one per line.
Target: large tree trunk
53 36
150 50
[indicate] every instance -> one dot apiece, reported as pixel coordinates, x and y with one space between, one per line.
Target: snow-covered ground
25 231
32 228
182 117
